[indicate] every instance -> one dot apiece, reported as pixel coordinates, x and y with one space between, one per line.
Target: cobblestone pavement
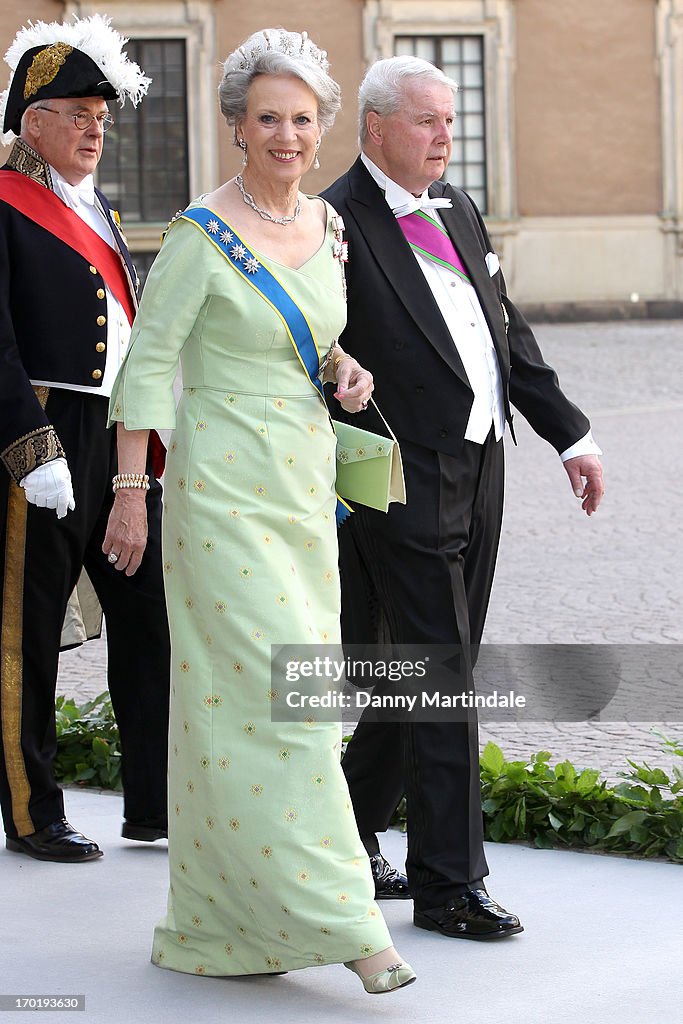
562 578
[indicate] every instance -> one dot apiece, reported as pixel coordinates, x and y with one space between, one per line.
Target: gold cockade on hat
44 67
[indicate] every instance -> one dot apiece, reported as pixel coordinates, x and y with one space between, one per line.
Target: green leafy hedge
560 806
533 802
88 749
529 801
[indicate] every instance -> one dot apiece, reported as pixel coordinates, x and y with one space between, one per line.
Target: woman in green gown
267 870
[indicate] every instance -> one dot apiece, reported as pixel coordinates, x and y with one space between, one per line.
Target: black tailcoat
422 574
396 330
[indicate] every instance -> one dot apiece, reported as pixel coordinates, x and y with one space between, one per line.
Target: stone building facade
569 132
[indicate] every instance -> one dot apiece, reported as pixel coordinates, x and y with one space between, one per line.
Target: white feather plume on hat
95 37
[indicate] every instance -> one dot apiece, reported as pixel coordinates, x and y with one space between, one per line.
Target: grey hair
277 52
382 89
32 106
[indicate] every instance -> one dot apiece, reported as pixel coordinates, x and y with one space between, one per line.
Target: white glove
49 486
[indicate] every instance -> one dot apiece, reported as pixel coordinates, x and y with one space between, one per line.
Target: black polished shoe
472 915
145 831
390 884
58 842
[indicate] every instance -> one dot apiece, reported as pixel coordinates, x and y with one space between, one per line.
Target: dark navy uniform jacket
53 312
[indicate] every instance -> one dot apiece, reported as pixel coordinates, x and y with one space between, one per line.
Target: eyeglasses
83 119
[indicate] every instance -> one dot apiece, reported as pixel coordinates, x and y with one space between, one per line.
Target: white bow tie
419 203
74 195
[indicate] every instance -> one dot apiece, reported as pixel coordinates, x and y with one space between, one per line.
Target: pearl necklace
250 201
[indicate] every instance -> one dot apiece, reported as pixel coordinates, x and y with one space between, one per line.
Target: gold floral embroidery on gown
267 872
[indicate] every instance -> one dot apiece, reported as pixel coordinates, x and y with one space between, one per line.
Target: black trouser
40 561
425 572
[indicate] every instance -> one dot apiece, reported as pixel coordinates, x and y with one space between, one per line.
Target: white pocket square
492 263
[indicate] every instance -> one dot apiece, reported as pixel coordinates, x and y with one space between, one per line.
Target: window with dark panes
144 167
461 58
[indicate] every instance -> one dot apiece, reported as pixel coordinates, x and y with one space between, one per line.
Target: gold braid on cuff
30 451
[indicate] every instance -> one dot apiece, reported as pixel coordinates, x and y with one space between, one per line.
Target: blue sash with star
263 281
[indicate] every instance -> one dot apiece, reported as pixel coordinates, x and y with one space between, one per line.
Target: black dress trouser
425 571
40 561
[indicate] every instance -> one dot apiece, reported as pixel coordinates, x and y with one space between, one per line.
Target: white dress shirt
83 201
460 307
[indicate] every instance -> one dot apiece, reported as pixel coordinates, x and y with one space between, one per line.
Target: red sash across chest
43 207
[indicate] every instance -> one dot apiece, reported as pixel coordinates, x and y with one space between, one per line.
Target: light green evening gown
267 871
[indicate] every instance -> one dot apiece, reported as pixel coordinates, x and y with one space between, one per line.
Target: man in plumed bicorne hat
67 299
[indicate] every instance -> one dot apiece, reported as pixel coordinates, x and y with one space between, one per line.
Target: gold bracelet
125 480
339 359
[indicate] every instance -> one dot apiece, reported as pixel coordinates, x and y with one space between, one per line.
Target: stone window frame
144 187
464 168
194 22
669 36
383 20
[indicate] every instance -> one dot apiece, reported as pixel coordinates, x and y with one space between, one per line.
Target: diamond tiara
296 45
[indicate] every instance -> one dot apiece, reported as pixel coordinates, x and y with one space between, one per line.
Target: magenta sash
431 240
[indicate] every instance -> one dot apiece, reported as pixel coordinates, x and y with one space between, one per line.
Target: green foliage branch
559 806
88 748
527 801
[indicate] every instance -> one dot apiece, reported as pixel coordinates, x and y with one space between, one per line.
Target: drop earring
316 164
243 146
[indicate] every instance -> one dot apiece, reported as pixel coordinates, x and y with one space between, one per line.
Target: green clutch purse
369 466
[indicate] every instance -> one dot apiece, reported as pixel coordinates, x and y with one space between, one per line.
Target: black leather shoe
145 831
58 841
472 915
390 884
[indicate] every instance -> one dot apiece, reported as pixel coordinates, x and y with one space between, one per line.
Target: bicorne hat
55 60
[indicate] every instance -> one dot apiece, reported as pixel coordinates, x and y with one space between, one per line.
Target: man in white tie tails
428 314
67 299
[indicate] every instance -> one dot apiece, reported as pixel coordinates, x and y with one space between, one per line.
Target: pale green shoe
392 977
